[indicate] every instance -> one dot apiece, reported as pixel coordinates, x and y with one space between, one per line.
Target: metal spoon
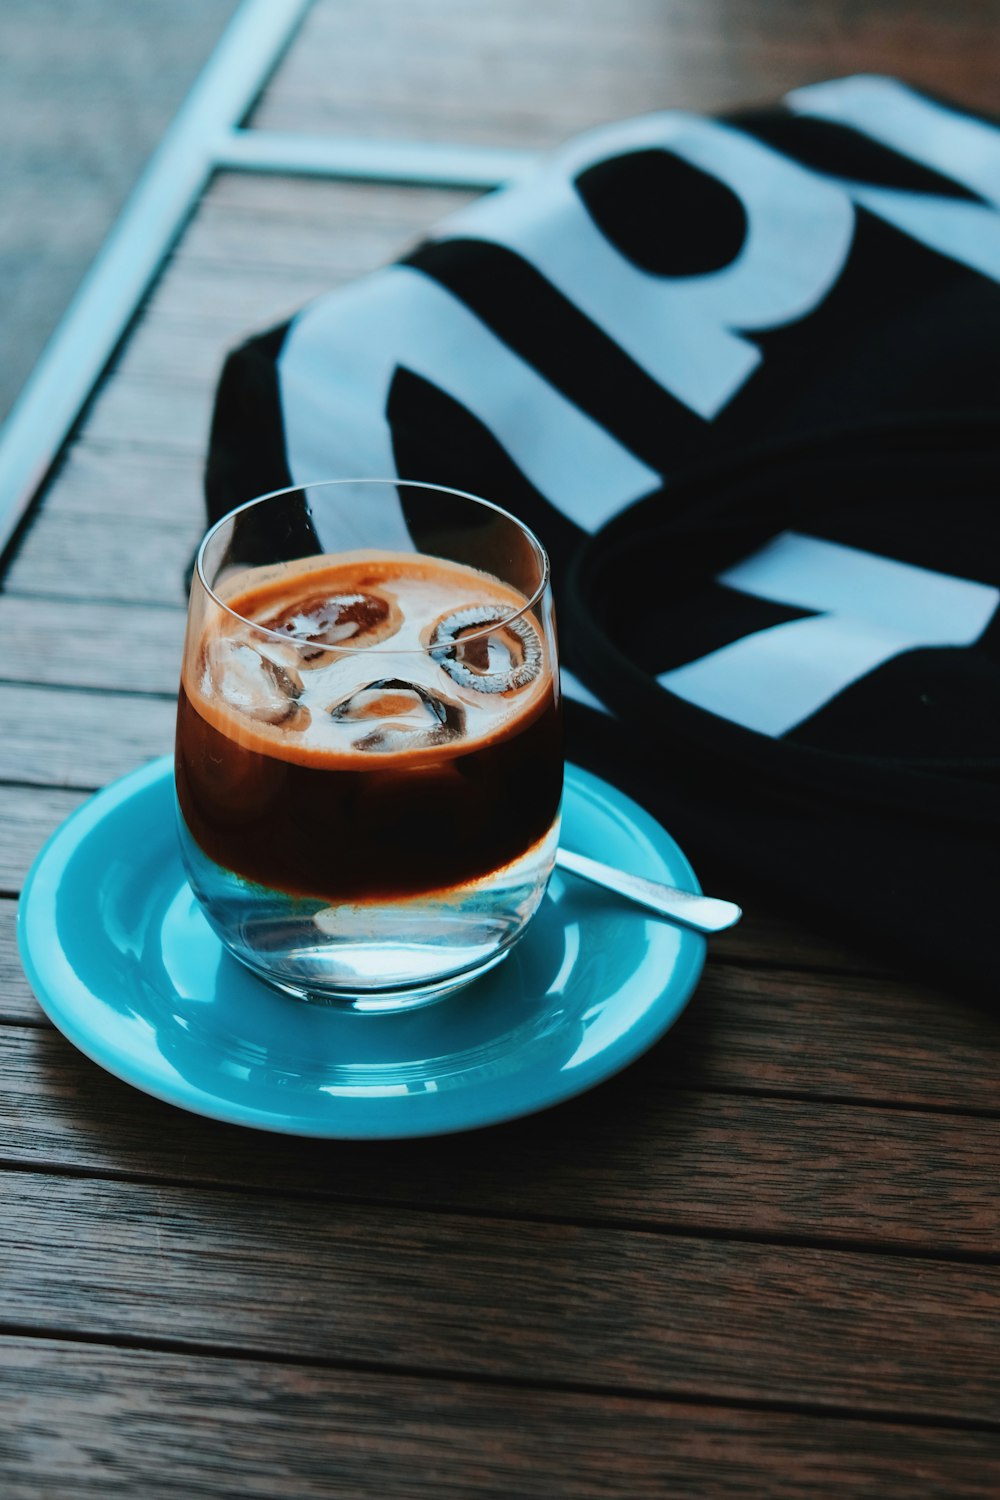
703 913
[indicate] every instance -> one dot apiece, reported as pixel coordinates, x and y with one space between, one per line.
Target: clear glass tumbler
369 757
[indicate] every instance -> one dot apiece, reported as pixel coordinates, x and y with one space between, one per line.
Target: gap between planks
108 1415
572 1307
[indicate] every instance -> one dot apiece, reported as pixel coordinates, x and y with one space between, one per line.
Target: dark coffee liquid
354 835
281 805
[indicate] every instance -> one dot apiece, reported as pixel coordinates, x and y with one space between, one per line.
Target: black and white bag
743 378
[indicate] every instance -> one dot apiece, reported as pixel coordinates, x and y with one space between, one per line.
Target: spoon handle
703 913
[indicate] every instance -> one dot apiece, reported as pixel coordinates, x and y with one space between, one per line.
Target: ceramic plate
125 965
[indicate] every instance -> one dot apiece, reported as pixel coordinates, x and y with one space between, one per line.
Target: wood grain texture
460 1295
143 560
231 302
117 484
165 415
17 1003
279 224
640 1152
56 737
112 646
829 1035
95 1422
27 820
519 74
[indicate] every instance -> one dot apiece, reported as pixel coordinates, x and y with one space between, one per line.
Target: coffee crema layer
370 726
292 670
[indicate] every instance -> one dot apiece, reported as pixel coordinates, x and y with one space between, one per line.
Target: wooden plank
315 202
466 1296
506 74
57 737
134 647
27 820
172 352
171 416
515 74
840 1036
640 1152
142 559
93 1422
294 223
17 1003
115 484
241 300
343 246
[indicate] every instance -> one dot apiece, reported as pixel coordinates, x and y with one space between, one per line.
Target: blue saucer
125 965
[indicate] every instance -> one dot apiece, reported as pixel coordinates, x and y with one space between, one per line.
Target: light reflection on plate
125 965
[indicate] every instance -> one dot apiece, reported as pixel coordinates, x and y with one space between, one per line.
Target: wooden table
761 1262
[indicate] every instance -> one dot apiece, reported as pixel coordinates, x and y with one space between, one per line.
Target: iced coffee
368 766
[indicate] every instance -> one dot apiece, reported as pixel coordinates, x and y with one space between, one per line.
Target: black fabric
246 450
880 816
869 426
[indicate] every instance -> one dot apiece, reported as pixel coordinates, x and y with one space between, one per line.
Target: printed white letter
338 362
871 609
684 331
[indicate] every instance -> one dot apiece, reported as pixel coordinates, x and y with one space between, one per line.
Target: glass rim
381 646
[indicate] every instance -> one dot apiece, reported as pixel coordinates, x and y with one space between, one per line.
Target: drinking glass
368 758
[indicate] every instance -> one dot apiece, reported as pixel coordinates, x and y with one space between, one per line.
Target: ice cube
501 661
404 716
251 682
323 620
